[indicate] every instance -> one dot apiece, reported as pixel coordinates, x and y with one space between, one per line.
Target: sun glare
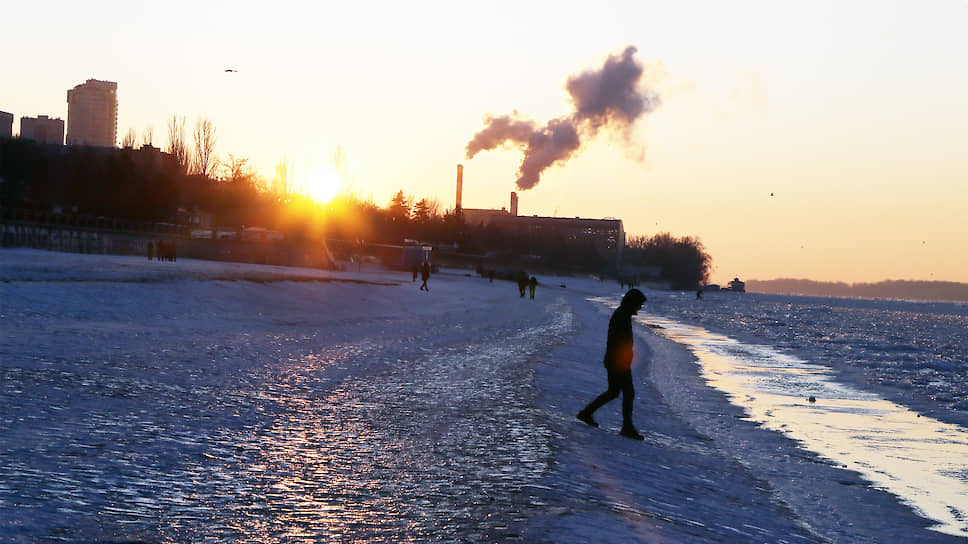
323 184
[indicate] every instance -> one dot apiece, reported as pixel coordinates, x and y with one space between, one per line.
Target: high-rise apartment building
42 129
6 125
92 114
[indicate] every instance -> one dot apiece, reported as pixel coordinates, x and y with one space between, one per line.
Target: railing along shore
110 236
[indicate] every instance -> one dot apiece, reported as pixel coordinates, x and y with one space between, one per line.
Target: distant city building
92 114
42 129
6 125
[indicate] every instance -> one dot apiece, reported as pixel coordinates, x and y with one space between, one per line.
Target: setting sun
322 184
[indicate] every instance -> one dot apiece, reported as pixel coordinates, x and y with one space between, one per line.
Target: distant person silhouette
618 364
532 285
699 294
425 275
416 271
522 283
151 250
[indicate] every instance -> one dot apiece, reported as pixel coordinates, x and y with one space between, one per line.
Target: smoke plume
608 98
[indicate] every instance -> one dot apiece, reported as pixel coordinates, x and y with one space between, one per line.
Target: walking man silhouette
618 364
425 275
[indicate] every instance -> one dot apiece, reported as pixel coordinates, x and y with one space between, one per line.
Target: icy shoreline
452 414
694 435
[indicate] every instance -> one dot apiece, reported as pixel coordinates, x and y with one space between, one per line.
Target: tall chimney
514 203
460 185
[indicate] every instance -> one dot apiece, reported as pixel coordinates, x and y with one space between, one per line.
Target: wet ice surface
915 353
874 368
172 403
189 411
920 459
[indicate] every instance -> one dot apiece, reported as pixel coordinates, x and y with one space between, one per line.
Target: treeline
683 262
142 185
892 289
147 185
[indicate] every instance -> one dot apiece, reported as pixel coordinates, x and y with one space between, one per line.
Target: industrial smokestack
460 185
614 97
514 204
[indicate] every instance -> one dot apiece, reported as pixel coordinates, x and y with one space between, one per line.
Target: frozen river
191 410
192 401
922 460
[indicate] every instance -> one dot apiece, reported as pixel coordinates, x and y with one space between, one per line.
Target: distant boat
737 286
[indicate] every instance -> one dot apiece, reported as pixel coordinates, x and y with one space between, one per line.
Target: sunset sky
852 115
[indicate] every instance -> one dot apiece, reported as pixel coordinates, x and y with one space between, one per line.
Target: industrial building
606 235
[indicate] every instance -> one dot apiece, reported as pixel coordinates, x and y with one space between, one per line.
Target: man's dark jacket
618 346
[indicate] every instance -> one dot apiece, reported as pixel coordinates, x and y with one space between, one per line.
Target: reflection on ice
919 459
356 435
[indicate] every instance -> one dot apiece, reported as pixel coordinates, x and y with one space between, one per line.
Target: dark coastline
929 291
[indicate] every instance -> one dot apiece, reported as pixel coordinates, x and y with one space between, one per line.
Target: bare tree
177 146
237 169
147 136
204 159
433 207
282 183
339 163
129 139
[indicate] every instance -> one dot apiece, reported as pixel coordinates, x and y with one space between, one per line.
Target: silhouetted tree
236 169
177 145
399 209
421 212
129 139
137 185
204 161
340 165
684 261
282 183
239 198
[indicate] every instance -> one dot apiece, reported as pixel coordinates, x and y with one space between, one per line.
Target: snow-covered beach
191 401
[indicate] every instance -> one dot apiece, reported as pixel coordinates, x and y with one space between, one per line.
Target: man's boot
585 417
629 431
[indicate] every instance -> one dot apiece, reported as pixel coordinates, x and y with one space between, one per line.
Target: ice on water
826 376
914 351
174 403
